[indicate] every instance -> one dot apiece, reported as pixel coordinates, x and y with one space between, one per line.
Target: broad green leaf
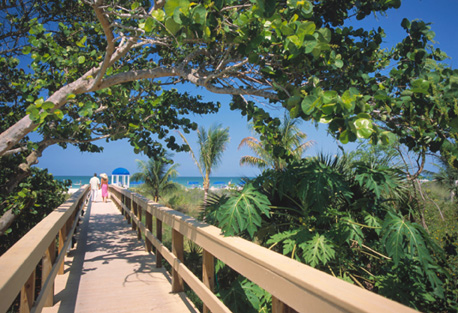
344 136
59 114
135 5
171 7
26 50
47 105
172 26
329 96
318 250
149 24
363 128
243 212
81 59
310 103
158 15
39 102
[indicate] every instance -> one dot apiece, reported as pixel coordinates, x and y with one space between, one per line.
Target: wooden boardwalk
111 272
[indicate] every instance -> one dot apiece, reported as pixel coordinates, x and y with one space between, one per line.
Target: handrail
18 264
293 285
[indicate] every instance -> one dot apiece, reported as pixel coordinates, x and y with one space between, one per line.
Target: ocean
187 181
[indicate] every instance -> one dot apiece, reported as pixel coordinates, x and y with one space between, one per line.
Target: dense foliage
32 200
351 218
155 174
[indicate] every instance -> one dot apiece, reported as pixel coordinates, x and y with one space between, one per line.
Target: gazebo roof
120 171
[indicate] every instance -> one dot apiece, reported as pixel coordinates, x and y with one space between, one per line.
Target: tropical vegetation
156 177
212 144
291 141
353 218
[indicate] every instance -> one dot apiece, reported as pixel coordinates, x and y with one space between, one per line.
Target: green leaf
199 14
243 212
39 102
135 5
310 103
329 96
172 26
158 15
338 63
318 250
363 128
149 24
171 7
81 42
48 105
404 239
26 50
59 114
81 59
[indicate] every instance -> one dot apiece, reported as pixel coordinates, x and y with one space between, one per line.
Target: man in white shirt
95 185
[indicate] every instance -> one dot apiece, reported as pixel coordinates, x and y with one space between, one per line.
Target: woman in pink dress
104 187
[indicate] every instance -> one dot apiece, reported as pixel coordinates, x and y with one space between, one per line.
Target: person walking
104 187
95 185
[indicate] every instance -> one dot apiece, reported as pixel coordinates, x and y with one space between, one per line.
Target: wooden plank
47 263
62 238
178 251
159 237
208 273
149 226
28 294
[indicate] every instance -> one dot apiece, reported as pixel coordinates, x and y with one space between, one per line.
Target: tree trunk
6 220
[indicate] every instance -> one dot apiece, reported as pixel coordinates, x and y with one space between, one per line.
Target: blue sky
442 15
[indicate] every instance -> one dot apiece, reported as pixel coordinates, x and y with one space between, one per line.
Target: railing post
178 251
159 237
62 238
28 294
280 307
208 273
138 209
149 226
47 262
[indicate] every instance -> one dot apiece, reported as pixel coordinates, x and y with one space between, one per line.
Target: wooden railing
293 285
18 264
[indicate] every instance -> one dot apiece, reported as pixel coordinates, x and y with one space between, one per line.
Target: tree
291 140
297 53
447 177
212 144
156 176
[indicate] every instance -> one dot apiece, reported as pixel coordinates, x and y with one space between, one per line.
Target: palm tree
447 176
156 176
212 144
291 140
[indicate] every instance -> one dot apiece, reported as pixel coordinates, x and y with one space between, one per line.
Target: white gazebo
120 177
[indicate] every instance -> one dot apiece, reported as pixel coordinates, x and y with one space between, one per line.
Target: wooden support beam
159 237
178 251
280 307
138 208
47 262
28 294
208 273
62 238
149 226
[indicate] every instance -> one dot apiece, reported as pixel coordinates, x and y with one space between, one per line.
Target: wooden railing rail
19 263
293 285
